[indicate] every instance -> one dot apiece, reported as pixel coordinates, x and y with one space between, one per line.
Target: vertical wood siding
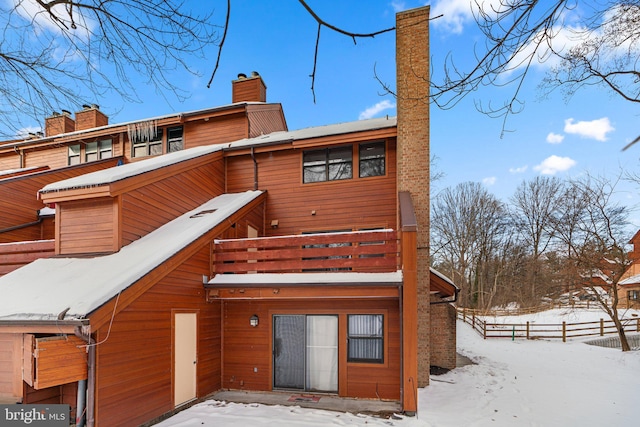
357 203
247 355
264 119
134 378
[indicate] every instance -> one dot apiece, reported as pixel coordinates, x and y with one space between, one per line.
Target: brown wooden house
277 261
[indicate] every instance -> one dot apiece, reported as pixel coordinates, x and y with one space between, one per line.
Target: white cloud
455 13
554 138
376 109
521 169
398 5
595 129
489 181
42 20
554 164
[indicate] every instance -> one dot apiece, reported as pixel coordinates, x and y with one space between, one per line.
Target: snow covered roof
316 132
630 280
43 289
117 173
320 278
107 176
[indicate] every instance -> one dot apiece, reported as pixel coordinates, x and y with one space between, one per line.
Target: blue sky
277 39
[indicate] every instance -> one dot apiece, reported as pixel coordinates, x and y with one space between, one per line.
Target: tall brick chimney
412 87
90 117
59 123
248 89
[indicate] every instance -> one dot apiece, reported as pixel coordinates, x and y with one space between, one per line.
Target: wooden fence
532 330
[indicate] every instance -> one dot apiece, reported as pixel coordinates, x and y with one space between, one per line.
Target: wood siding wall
16 255
151 206
248 361
216 130
87 226
10 368
19 203
134 376
264 119
358 203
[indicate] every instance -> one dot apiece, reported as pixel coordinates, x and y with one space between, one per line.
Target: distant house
245 257
629 285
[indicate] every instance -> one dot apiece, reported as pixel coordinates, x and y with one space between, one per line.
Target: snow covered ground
513 383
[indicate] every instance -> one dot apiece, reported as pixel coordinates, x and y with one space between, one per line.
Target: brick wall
443 335
58 124
412 71
90 117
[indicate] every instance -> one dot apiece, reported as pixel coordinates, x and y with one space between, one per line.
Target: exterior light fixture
253 321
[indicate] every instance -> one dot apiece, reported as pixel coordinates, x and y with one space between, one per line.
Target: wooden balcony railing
360 251
16 255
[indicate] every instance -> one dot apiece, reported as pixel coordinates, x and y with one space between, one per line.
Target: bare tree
467 224
520 33
534 209
56 53
597 242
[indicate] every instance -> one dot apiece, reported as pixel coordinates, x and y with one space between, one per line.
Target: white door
185 357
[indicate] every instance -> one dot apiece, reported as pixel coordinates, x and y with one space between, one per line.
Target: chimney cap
66 112
254 74
242 76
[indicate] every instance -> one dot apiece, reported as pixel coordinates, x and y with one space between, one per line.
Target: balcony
361 251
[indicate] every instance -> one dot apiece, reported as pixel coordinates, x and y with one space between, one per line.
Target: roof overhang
321 285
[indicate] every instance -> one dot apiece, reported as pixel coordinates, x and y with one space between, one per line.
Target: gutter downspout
255 170
91 380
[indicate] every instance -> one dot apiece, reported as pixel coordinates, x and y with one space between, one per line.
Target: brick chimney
412 88
90 117
59 123
248 89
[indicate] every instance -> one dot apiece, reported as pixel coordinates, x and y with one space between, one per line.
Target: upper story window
149 147
174 139
328 164
372 159
365 338
73 154
98 150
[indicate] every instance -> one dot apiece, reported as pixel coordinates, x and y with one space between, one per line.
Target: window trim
169 139
99 150
382 338
74 156
384 158
327 163
157 141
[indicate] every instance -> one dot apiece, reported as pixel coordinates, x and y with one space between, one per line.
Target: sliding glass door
305 349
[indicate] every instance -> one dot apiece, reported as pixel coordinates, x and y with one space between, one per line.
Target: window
329 164
365 339
149 148
174 139
73 154
98 150
634 295
372 159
